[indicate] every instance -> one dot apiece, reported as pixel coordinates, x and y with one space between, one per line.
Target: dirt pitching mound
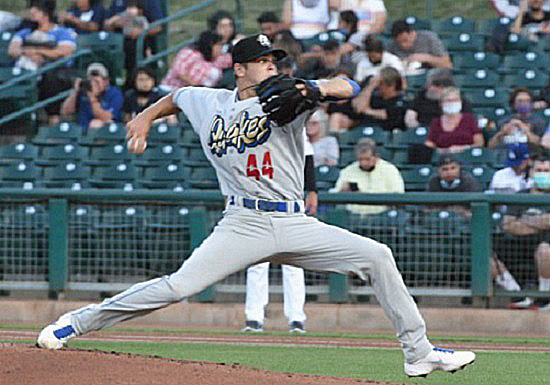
24 364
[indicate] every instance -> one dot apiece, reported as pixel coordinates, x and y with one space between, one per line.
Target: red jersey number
252 166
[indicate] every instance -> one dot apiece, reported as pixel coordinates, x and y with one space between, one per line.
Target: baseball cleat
253 326
297 327
54 336
440 359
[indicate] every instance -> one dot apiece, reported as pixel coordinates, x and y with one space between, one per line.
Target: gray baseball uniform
260 168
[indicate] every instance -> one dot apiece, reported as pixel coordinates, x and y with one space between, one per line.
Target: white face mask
451 108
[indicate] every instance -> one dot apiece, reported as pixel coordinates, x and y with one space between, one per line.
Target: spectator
454 131
380 102
143 93
510 8
305 18
533 223
223 23
376 59
514 177
83 16
425 106
451 177
151 10
326 62
532 20
285 40
325 148
200 64
418 48
522 126
95 101
32 48
369 174
371 14
269 24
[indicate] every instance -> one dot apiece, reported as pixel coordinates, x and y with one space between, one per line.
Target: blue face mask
449 185
542 180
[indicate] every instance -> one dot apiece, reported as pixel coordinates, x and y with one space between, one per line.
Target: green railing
63 252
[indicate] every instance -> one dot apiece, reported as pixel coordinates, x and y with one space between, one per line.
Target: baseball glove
283 100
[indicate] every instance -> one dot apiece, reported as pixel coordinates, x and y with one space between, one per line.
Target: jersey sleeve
195 103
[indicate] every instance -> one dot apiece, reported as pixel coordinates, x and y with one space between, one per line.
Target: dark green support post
58 246
199 232
338 283
481 249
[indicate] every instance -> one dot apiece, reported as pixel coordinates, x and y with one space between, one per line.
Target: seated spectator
534 222
532 20
95 101
454 131
376 59
369 174
47 42
143 93
305 19
522 125
325 147
380 103
514 177
223 23
323 63
451 177
425 106
371 14
285 40
418 49
83 16
269 24
510 8
200 64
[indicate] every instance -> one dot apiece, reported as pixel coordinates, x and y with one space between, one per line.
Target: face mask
542 180
449 185
523 108
451 108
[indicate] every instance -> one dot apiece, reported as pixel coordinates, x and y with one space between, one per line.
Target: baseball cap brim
277 53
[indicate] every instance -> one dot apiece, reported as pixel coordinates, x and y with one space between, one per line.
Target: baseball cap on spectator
516 154
96 68
267 17
447 159
253 47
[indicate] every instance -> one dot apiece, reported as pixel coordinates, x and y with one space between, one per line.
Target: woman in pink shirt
453 131
200 64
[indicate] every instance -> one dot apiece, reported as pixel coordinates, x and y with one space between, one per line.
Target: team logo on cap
264 40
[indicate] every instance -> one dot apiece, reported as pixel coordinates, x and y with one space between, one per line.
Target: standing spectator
532 20
83 16
325 147
426 105
200 64
223 23
371 14
306 18
269 24
418 48
454 131
376 59
533 223
45 43
510 8
143 93
380 102
95 101
522 125
514 177
369 174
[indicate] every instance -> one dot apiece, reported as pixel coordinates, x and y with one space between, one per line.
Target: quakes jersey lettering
246 132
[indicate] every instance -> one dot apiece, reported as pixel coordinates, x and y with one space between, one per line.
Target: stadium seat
477 156
517 44
323 37
164 133
14 152
402 139
528 78
488 97
190 138
83 216
67 171
162 153
9 73
416 23
454 24
493 114
63 132
416 82
487 26
107 48
194 156
376 133
476 60
416 178
464 41
52 155
203 178
166 176
112 132
525 60
483 174
22 171
108 154
121 216
117 172
478 78
326 176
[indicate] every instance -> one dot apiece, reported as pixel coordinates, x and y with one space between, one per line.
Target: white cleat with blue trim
440 359
55 336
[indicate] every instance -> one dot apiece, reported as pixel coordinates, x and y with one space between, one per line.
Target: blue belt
263 205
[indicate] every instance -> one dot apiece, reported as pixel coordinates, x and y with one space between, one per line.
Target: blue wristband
355 86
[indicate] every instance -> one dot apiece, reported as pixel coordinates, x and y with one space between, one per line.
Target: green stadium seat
67 171
416 82
525 60
18 151
493 114
163 153
21 184
83 217
416 178
5 59
476 60
194 156
486 27
167 176
464 41
402 139
203 178
108 154
190 138
517 44
454 24
347 155
326 177
9 73
483 174
107 48
488 97
112 132
529 78
122 217
63 132
477 156
22 171
322 38
53 155
163 133
416 23
376 133
117 172
479 78
24 217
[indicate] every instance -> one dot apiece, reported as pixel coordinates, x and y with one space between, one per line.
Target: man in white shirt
514 177
376 59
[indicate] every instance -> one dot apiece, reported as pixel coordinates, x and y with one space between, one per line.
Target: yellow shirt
384 178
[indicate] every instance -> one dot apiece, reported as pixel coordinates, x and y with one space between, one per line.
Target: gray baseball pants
245 237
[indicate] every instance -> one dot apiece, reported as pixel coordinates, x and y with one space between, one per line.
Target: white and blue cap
516 153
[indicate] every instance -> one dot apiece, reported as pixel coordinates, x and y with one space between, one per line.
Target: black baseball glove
283 100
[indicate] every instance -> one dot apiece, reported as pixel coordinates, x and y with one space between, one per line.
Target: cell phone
353 186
